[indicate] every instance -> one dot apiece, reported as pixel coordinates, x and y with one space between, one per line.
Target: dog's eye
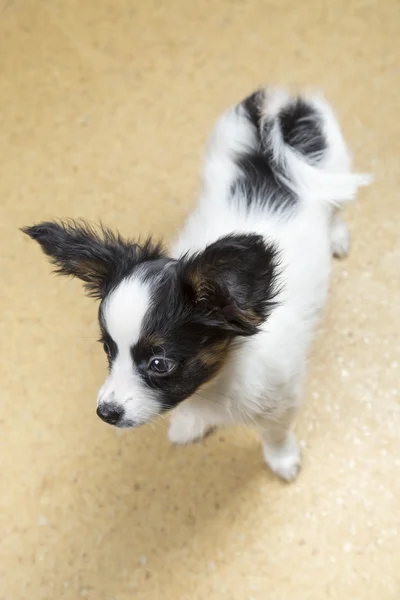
161 366
106 348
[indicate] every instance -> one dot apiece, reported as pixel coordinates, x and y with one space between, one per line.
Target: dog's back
266 160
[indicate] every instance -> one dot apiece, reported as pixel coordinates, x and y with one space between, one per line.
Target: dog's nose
110 413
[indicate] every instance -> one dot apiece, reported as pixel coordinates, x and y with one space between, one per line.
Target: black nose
110 413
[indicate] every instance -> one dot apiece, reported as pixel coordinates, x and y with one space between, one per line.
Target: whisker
211 400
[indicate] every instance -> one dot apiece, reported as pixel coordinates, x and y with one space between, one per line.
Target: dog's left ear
233 282
97 258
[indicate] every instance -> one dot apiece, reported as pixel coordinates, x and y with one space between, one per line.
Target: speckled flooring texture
105 106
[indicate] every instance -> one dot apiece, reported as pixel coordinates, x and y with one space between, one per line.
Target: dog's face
166 325
158 348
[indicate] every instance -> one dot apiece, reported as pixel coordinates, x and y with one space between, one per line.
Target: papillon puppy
219 328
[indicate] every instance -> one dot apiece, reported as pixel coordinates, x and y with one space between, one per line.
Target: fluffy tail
301 138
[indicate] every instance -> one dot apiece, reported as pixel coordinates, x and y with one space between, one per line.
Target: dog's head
166 325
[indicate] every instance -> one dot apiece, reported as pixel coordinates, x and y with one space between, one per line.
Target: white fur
261 383
124 312
283 458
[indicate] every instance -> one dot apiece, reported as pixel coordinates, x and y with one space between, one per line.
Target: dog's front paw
284 460
186 428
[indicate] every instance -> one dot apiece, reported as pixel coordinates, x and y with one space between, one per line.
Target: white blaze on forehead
124 311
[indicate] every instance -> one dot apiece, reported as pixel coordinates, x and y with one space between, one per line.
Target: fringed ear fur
233 282
97 258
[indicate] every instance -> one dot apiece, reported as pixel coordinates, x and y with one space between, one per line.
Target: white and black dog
219 328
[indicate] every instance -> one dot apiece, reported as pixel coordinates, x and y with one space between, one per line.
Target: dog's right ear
98 259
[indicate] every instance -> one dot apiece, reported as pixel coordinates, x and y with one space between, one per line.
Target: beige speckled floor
105 106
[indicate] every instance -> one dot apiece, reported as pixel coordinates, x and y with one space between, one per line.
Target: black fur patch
302 130
259 182
263 181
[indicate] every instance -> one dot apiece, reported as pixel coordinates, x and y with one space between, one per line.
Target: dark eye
106 348
161 366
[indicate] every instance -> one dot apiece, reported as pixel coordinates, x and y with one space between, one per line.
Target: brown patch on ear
214 355
92 273
205 292
247 317
199 284
196 278
90 269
